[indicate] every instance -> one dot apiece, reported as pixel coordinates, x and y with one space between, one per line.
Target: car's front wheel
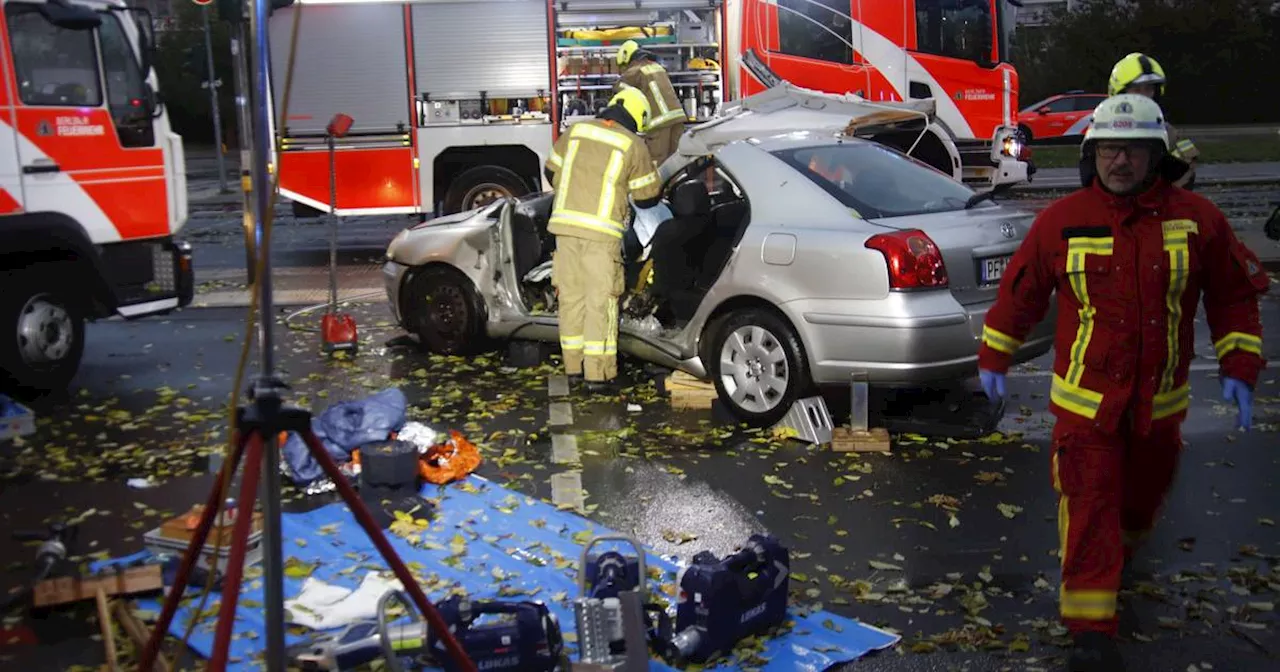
446 311
758 365
41 330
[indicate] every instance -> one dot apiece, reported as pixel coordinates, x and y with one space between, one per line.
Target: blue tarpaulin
493 543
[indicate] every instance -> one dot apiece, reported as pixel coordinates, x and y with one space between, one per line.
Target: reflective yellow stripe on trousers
1238 340
1067 392
1168 400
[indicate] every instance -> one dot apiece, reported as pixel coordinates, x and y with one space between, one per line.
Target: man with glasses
1130 256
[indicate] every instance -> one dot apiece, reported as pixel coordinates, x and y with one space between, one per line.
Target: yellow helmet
626 51
1133 69
634 102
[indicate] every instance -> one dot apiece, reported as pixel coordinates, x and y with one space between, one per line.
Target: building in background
1036 12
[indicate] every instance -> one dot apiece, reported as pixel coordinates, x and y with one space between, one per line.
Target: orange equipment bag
449 461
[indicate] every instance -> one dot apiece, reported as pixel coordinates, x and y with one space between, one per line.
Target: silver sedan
791 262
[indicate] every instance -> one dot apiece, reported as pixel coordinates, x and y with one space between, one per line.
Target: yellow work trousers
662 142
587 275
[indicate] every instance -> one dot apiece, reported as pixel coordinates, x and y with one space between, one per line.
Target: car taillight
914 261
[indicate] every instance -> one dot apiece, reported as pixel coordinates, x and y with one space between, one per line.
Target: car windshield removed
877 181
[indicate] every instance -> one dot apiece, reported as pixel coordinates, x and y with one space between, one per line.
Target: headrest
690 199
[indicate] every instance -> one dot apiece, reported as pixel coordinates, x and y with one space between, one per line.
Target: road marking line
566 490
558 385
561 414
564 449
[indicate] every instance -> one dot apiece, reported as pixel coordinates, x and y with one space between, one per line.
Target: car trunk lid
976 245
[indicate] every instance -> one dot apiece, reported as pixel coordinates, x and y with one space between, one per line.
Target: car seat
675 261
529 237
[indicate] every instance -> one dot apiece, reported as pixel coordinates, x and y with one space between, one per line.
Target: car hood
787 108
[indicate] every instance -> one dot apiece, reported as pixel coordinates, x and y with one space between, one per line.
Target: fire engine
457 103
92 184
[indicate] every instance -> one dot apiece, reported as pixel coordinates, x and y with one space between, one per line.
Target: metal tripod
258 425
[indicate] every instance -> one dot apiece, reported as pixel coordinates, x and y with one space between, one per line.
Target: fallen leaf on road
988 477
884 566
1267 521
1009 510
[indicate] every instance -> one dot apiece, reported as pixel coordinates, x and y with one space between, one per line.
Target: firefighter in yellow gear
644 72
1141 74
593 168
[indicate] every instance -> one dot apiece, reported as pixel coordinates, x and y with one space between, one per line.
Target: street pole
213 100
273 564
244 128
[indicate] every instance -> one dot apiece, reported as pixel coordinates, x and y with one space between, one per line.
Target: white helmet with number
1128 116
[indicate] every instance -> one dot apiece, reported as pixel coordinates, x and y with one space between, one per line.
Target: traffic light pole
213 100
244 129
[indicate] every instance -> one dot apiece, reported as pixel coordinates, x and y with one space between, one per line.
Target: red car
1063 116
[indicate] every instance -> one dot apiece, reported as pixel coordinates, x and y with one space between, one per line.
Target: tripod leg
198 537
235 561
374 532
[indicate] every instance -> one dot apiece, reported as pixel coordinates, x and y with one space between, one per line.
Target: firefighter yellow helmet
1128 116
1133 69
626 51
633 101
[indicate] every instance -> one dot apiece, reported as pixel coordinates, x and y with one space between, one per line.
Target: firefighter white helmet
1128 116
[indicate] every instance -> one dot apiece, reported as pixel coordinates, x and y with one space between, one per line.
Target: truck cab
92 184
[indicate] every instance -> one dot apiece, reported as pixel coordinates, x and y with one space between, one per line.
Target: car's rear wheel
446 311
1026 133
758 365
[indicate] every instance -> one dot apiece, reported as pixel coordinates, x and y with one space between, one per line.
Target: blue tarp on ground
528 543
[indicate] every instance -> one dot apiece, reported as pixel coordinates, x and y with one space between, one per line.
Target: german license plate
991 269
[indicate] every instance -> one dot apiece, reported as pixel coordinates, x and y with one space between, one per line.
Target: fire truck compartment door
350 59
495 46
10 172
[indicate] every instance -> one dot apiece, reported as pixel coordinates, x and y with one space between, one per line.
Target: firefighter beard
1129 275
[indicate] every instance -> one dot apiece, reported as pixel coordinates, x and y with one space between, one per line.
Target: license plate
991 269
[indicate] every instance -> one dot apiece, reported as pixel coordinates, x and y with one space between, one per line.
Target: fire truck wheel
480 186
41 331
447 313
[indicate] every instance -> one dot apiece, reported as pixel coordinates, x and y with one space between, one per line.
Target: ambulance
92 184
457 102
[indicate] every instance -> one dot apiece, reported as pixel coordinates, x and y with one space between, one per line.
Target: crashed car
792 261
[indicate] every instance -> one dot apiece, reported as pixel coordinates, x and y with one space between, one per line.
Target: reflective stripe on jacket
596 165
1129 274
652 79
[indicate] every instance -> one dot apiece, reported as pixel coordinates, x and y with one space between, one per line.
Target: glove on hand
992 384
1236 390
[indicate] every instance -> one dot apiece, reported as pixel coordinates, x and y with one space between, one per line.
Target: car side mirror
1043 110
70 17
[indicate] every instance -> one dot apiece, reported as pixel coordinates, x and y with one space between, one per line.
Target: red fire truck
457 102
92 184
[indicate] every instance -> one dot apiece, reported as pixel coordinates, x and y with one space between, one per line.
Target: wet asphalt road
150 401
974 585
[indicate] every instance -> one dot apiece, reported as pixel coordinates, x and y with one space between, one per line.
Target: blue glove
992 384
1236 390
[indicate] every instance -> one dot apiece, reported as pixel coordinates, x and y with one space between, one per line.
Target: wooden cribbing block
66 589
874 440
689 392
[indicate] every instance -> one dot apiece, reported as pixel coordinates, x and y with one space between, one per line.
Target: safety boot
1095 652
603 387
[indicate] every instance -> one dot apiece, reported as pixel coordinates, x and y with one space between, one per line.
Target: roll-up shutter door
495 46
350 59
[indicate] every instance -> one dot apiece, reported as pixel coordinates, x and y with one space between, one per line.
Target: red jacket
1129 273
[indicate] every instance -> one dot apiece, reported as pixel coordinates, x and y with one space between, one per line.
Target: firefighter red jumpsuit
1129 273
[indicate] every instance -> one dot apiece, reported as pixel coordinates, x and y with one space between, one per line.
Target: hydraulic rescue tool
525 637
723 601
610 610
337 330
363 642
